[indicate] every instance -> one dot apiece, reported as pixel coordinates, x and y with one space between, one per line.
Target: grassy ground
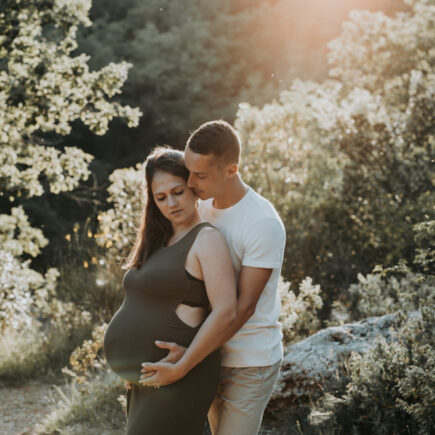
39 407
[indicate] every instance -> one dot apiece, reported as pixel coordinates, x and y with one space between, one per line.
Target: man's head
212 156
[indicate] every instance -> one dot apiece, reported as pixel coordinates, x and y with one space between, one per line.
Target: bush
391 387
347 162
299 314
43 90
38 329
38 352
376 295
90 278
389 289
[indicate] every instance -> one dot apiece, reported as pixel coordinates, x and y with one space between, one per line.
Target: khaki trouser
241 399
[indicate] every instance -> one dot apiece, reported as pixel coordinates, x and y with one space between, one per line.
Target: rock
314 365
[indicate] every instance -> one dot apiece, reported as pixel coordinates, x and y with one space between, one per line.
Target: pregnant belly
130 337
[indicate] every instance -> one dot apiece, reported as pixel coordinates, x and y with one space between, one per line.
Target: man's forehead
196 162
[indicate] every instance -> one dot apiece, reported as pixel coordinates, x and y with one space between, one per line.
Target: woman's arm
213 255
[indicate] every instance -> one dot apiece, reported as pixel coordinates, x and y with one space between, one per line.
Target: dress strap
190 237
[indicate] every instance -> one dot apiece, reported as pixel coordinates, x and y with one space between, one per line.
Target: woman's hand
175 351
164 373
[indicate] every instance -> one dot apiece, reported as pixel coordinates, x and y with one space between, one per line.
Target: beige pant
241 399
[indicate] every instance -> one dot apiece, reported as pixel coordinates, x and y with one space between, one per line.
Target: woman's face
173 198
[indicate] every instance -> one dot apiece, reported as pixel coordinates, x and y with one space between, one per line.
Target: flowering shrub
43 89
16 280
299 314
87 359
118 225
347 162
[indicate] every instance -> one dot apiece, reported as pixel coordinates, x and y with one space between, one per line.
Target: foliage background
338 135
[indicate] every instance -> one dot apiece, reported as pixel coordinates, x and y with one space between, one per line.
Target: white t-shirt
256 237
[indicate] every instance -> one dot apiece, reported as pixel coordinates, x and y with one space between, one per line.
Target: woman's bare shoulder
210 238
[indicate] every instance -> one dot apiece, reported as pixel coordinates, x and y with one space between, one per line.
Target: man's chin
202 195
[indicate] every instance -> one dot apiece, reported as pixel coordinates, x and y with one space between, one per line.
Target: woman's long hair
155 230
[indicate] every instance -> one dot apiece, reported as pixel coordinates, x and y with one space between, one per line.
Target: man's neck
232 194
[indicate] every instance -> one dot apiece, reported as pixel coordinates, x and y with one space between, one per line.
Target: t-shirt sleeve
265 242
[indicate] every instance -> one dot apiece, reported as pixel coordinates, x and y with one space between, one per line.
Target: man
252 348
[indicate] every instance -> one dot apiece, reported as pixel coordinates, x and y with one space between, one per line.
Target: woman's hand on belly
176 352
164 374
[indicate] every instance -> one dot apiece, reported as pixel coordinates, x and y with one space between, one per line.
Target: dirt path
22 407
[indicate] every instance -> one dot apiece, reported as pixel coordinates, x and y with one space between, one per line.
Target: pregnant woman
179 287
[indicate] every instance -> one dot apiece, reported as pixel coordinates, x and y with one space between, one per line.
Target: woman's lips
175 212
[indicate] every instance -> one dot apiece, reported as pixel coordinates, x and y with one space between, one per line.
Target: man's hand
164 374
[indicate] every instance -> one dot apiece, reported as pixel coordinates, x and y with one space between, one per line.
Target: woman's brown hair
154 229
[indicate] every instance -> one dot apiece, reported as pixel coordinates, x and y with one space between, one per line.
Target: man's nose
190 182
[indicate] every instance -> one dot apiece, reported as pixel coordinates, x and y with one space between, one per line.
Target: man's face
207 176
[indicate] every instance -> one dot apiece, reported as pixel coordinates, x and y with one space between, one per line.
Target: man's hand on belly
164 374
176 352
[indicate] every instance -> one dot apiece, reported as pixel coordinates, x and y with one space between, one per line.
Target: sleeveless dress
152 294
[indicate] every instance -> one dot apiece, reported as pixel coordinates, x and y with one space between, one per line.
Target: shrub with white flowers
348 162
43 89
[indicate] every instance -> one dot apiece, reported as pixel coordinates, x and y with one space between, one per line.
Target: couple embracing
198 334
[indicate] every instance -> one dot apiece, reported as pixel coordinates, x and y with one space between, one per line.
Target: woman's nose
172 201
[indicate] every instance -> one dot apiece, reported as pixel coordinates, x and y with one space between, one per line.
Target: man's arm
252 281
263 253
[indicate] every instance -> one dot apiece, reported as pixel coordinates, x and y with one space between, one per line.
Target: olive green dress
152 294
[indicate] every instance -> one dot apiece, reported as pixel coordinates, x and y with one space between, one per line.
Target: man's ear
232 169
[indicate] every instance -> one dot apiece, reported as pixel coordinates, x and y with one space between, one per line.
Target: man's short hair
218 138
